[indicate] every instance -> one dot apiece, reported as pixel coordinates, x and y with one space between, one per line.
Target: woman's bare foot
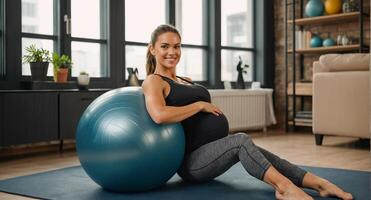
292 192
324 187
327 188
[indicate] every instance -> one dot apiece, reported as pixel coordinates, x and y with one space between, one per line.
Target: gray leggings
214 158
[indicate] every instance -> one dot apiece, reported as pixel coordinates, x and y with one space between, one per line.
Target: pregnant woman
210 151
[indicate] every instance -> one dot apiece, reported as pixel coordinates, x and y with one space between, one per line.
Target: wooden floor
299 148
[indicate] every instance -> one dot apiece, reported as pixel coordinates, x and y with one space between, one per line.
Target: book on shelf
304 114
301 120
305 111
302 39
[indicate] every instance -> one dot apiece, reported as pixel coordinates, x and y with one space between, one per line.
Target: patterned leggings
214 158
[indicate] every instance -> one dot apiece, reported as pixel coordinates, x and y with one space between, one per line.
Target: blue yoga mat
236 183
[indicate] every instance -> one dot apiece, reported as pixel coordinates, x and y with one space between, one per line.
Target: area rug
236 183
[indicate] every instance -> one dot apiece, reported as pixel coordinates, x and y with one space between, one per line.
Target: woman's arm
161 113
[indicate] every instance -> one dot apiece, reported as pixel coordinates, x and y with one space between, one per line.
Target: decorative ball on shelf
328 42
333 6
314 8
316 41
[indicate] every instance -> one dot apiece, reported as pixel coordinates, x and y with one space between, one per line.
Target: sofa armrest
340 103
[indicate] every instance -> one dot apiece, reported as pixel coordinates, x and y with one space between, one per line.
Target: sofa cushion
345 62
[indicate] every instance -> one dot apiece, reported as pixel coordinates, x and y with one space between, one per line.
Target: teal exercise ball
314 8
122 149
315 41
328 42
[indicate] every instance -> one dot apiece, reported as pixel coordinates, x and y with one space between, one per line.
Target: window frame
245 49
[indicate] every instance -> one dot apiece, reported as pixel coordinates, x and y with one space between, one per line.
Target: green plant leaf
34 54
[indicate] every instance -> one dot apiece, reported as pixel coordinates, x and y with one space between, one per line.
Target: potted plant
61 64
83 80
39 59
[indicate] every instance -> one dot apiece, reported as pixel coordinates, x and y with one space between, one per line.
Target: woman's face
167 50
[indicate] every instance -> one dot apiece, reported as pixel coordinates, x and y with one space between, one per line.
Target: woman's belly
203 128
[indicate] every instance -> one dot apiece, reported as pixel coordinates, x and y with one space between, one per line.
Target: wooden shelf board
332 49
301 89
336 18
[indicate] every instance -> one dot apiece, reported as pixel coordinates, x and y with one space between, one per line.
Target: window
191 22
89 48
29 9
87 45
237 38
135 57
104 37
138 29
38 28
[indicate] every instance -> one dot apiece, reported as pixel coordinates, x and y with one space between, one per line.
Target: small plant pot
62 75
83 81
39 70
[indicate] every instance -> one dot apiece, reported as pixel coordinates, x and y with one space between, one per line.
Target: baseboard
36 148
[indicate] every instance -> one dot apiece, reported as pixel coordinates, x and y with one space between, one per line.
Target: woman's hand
210 108
153 90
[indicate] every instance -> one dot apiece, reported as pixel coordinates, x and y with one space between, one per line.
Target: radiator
244 109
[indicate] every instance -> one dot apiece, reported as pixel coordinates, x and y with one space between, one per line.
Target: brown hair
151 60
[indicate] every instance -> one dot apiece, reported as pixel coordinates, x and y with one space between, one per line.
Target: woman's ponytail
150 63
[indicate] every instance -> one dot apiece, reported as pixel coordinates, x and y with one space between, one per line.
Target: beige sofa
341 87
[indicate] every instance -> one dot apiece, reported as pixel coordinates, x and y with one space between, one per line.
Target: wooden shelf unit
294 57
327 19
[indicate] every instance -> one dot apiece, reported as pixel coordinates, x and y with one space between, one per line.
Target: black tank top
201 128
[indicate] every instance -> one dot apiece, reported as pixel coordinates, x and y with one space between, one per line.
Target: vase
62 74
133 77
346 6
338 39
345 40
314 8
